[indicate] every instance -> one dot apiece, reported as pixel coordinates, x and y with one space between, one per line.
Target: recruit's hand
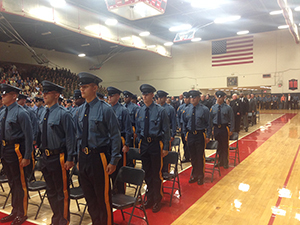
185 138
68 165
125 149
238 113
110 169
24 162
34 142
179 129
164 153
172 139
207 140
78 165
230 133
135 135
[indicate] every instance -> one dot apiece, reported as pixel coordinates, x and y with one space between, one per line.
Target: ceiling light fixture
242 32
196 39
111 22
180 27
58 3
85 45
168 44
125 38
277 12
283 26
46 33
297 8
81 55
144 33
227 19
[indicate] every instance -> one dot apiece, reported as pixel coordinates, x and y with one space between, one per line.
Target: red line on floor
192 192
271 221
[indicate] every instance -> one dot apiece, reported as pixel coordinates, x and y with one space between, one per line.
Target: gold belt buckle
47 152
3 142
149 139
195 132
86 150
219 126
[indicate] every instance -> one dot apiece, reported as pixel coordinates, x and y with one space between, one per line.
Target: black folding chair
37 186
3 180
235 148
172 160
76 193
134 177
176 145
212 162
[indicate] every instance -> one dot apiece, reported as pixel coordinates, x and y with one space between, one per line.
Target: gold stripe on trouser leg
228 132
65 187
124 158
133 128
140 144
106 188
22 177
161 165
204 136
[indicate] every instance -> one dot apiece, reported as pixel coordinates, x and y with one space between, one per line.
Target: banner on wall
293 84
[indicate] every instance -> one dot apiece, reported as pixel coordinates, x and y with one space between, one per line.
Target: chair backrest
130 175
38 165
213 144
134 153
175 142
234 136
171 158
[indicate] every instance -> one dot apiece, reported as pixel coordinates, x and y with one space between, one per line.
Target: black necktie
85 131
193 127
146 129
126 105
219 115
45 125
3 123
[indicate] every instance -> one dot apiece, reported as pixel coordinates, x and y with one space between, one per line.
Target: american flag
232 51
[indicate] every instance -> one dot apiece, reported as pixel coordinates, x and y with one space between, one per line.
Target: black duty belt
151 138
221 125
97 150
197 132
12 142
49 152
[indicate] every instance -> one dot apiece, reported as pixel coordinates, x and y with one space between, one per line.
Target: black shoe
148 204
156 207
192 180
226 167
8 218
185 160
246 129
200 181
19 220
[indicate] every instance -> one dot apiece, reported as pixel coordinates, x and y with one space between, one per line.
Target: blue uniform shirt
227 116
60 130
39 112
180 111
172 118
34 121
124 122
158 123
132 108
202 118
103 127
18 126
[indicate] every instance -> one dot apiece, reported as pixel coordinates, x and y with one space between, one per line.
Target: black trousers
222 136
57 180
196 143
152 164
96 187
11 159
187 154
237 124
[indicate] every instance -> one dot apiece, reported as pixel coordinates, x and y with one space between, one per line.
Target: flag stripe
232 51
229 64
234 55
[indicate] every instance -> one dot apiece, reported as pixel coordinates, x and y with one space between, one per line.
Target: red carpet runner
192 192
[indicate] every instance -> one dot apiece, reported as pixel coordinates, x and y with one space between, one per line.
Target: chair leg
77 205
2 187
6 199
172 192
131 214
82 214
123 214
144 210
178 150
40 206
178 184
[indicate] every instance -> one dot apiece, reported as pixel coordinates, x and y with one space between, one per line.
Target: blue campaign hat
49 86
60 98
134 97
147 88
21 96
77 94
127 94
186 94
88 78
69 101
194 93
28 100
99 95
161 93
6 88
220 94
112 90
37 99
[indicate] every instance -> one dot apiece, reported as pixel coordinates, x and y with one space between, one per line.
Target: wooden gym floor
262 189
